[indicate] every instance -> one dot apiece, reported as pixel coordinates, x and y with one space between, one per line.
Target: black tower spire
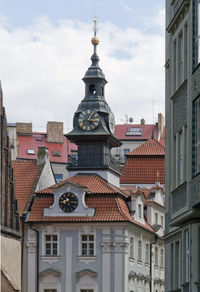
93 123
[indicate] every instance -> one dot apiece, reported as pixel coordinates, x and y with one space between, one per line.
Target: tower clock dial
68 202
111 123
88 120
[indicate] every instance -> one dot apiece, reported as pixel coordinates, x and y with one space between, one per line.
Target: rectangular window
196 134
86 290
187 255
180 59
140 211
181 153
177 264
58 177
30 151
156 256
162 258
56 153
156 218
132 247
51 245
50 290
133 131
174 66
87 245
172 266
147 253
139 250
162 221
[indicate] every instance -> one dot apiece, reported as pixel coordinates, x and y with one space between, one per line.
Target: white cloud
41 67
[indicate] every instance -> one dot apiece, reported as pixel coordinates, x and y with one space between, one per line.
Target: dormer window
92 89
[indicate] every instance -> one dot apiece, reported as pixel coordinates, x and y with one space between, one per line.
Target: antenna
153 111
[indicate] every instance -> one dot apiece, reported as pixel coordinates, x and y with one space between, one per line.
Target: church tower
93 125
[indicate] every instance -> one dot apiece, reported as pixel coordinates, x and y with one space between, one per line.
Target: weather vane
95 26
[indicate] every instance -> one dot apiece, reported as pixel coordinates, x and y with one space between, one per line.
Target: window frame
131 249
140 250
51 242
88 242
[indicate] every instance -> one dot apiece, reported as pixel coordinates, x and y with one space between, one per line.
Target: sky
45 50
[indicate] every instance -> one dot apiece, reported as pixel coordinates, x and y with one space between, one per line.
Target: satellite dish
130 119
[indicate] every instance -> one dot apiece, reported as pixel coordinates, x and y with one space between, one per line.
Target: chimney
142 122
42 155
160 125
55 132
24 129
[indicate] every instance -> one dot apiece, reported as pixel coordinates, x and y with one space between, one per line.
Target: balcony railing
90 161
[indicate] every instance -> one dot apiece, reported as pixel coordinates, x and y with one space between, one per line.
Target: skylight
134 131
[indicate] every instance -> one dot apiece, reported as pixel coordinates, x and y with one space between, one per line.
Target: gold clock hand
90 116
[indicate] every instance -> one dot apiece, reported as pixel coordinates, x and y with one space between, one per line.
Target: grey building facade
182 99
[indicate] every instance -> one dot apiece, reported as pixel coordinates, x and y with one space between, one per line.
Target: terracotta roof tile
143 170
26 173
108 201
94 184
150 148
108 208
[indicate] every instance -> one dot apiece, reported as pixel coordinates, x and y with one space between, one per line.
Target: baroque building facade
182 145
87 233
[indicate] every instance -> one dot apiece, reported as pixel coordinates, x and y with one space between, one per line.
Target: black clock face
88 120
68 202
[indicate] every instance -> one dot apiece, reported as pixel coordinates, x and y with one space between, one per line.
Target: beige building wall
11 262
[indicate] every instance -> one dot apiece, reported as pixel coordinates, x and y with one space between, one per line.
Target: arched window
92 89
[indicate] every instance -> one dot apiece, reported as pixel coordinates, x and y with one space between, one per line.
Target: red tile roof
94 184
151 147
26 174
143 170
109 203
30 142
121 130
145 164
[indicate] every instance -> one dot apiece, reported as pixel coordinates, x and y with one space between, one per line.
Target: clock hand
90 116
94 120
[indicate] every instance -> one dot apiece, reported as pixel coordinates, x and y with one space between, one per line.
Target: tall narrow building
182 145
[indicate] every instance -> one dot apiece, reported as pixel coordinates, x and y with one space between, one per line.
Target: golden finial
95 40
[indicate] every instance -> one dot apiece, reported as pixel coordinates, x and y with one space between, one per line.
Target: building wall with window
103 245
96 257
182 145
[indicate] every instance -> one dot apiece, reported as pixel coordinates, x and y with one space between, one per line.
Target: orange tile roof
150 148
107 209
94 184
143 170
108 201
26 174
